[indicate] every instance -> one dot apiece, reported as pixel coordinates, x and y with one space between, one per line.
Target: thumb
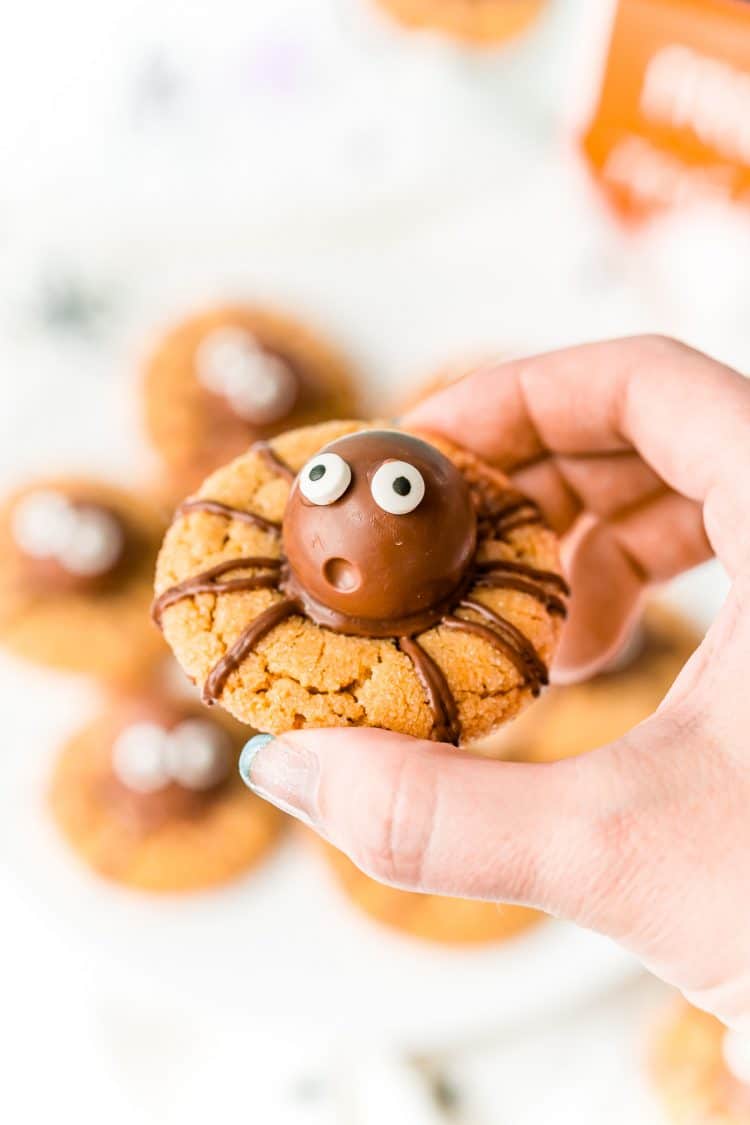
424 816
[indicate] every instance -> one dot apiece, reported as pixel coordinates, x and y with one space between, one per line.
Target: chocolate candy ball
379 533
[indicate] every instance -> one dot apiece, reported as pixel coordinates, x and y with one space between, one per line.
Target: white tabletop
423 204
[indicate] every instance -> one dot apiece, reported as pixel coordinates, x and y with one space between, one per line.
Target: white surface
423 204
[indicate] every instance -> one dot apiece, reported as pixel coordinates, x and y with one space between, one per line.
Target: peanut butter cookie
351 575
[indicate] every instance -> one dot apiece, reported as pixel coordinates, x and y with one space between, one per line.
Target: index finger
688 416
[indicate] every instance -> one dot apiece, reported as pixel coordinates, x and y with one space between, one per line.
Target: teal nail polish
249 751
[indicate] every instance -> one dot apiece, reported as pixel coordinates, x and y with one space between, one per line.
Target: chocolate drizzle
205 582
215 508
498 520
506 575
446 726
505 637
272 460
244 645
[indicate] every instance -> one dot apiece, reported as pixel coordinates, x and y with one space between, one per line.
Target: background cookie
76 557
148 795
438 918
228 376
283 671
577 718
701 1070
474 21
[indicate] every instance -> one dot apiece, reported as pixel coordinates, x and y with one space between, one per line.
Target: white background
421 203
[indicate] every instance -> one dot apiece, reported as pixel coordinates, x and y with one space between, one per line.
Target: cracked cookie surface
300 674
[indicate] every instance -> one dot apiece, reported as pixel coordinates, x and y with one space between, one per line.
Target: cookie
349 575
701 1070
76 560
479 22
233 375
577 718
436 918
148 795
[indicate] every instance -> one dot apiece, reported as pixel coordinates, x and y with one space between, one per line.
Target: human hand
638 451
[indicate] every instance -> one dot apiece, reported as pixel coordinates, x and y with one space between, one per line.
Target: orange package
672 125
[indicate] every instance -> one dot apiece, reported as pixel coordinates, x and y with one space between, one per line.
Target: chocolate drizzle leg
446 725
215 508
272 460
205 582
505 637
506 575
244 645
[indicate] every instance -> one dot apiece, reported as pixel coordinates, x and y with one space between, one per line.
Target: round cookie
76 559
438 918
701 1070
424 596
148 795
229 376
478 22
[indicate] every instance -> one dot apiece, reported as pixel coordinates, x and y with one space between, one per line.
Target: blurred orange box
672 125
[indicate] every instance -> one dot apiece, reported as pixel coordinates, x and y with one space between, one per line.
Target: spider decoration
381 537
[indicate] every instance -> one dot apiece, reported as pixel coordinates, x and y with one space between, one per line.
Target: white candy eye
397 487
197 754
94 544
42 523
139 759
325 478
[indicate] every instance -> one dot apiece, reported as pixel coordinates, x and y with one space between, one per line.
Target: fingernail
282 773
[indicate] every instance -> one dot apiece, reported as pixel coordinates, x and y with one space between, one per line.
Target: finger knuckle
396 847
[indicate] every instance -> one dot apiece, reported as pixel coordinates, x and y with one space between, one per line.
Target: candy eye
138 758
197 754
325 478
397 487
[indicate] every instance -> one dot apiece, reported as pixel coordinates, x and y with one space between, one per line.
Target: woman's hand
638 452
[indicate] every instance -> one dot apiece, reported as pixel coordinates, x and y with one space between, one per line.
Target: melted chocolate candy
363 570
148 811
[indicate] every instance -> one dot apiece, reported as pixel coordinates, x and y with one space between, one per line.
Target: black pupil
317 471
402 486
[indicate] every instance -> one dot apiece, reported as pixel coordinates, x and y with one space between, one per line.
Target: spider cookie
148 795
481 22
76 557
435 918
701 1070
232 375
348 575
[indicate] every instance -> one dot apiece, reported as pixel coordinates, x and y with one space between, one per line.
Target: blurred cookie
76 556
438 918
701 1070
306 585
480 22
229 376
579 717
149 795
